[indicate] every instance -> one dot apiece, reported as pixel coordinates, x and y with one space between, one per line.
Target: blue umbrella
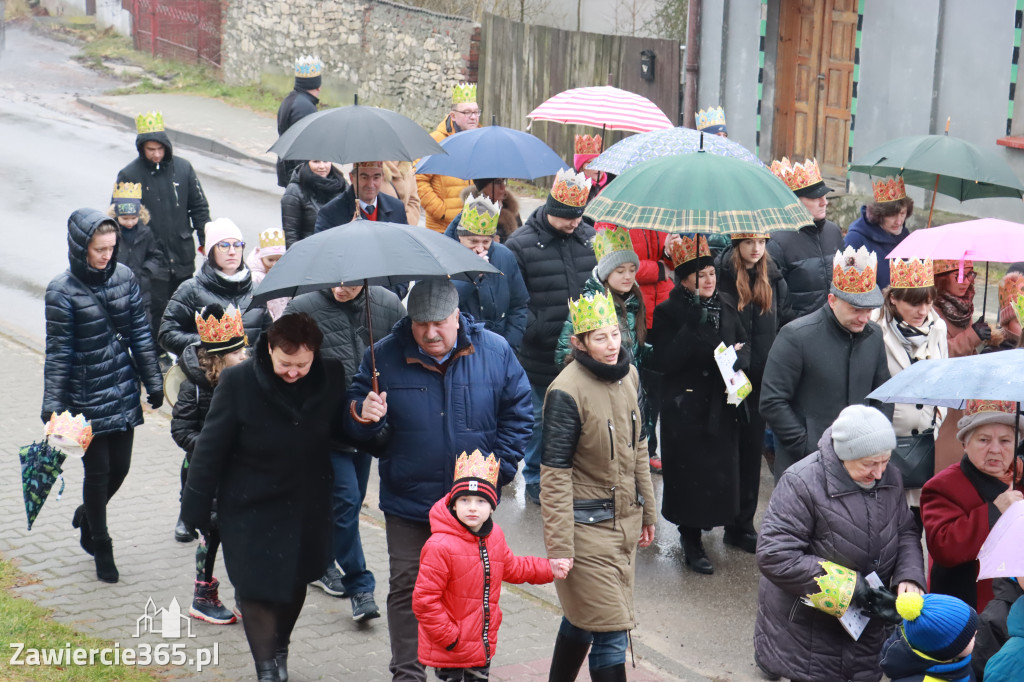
953 381
636 149
493 152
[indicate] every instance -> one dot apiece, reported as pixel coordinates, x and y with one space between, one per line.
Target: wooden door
814 77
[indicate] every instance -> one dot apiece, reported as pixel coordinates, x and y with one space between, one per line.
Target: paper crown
475 465
571 189
911 274
590 312
973 407
837 587
69 431
797 176
1010 287
585 144
688 248
368 164
127 190
942 266
853 272
740 236
889 189
308 66
712 116
612 238
464 93
480 216
1018 309
221 330
272 237
149 122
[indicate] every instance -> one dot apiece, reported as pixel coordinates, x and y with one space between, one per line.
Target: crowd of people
593 359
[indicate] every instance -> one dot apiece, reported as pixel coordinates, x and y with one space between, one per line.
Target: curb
205 144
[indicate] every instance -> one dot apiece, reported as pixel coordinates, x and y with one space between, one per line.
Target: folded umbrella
40 468
636 149
493 152
1002 554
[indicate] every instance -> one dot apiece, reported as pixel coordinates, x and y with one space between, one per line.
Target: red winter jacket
650 247
457 590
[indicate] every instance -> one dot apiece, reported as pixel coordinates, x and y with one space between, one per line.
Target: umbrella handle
352 405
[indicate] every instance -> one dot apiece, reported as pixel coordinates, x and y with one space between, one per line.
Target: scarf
988 487
604 371
241 273
957 310
712 309
913 340
322 189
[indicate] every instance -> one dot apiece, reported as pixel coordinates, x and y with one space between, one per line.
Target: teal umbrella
40 468
699 192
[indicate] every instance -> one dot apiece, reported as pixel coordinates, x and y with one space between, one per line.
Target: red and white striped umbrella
603 107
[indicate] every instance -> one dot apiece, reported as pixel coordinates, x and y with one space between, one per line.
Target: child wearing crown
462 566
262 259
137 247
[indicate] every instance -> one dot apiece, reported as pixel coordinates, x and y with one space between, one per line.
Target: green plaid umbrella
40 467
699 192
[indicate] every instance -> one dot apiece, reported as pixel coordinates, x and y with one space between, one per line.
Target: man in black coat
804 255
556 259
825 361
177 207
297 104
367 178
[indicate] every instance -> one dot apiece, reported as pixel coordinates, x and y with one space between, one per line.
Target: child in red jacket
462 567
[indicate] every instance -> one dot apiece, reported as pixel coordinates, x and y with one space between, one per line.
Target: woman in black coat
312 185
264 454
699 444
98 349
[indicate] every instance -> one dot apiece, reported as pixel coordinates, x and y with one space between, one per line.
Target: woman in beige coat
400 182
596 496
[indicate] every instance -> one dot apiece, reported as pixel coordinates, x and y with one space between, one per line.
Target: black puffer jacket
178 325
306 193
138 249
87 369
805 259
176 203
193 401
555 266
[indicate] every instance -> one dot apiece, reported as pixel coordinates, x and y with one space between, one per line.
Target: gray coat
815 368
818 513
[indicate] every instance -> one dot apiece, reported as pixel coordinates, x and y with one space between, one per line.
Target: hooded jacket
805 259
902 663
138 249
1005 666
458 588
87 369
862 232
193 401
176 203
178 325
303 198
993 621
441 195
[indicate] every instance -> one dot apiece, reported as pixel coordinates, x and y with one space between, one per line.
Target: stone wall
392 56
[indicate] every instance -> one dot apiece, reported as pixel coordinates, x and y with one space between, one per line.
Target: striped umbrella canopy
635 149
603 106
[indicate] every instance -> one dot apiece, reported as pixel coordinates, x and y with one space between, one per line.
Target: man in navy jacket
366 177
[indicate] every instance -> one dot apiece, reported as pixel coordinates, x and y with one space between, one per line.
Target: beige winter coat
604 471
400 182
909 418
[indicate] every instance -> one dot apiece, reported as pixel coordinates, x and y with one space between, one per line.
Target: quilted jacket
193 401
87 369
457 590
441 195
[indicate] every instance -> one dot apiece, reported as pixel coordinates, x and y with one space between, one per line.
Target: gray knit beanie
861 431
607 265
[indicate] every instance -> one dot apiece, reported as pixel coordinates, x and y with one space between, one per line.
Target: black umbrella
355 133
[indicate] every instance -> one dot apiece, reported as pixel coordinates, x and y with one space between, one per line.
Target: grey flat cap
432 300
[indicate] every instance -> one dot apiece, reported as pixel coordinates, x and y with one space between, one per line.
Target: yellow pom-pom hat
937 625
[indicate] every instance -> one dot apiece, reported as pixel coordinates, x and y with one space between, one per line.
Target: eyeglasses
227 246
969 275
472 113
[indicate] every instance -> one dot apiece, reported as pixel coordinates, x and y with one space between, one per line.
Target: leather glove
982 329
155 399
876 602
46 416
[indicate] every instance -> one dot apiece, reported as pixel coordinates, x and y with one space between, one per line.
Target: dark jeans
751 442
463 674
106 464
531 462
351 472
162 290
405 541
607 649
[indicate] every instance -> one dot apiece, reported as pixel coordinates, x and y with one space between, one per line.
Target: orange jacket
440 194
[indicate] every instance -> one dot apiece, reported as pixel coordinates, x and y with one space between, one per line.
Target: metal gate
186 30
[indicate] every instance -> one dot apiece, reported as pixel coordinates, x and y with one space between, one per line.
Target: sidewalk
327 645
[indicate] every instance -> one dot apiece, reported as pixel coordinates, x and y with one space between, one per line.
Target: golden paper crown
367 164
590 312
477 466
712 116
1018 309
799 175
480 216
853 272
271 237
149 122
69 430
585 144
687 248
911 274
889 189
228 326
127 190
1010 287
612 238
464 93
973 407
308 66
941 265
837 587
571 189
740 236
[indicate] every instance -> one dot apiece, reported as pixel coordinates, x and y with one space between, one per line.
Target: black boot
183 533
80 520
281 658
615 673
567 659
266 671
693 549
105 568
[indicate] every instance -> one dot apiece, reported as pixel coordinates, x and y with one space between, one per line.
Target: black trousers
162 290
106 464
751 442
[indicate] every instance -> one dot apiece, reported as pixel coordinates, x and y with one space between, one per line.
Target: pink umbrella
603 106
1002 554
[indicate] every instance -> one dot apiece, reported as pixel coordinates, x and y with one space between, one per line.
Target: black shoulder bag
914 456
117 335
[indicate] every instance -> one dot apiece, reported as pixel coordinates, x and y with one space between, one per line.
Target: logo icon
166 622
